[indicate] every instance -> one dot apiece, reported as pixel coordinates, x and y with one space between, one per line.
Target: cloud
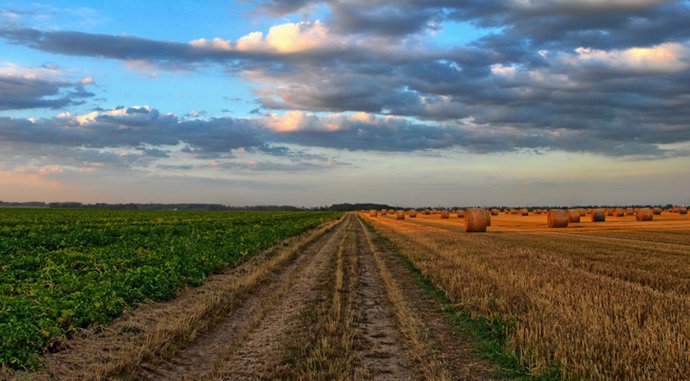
287 38
38 87
663 58
592 76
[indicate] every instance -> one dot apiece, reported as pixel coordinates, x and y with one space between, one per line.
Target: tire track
247 342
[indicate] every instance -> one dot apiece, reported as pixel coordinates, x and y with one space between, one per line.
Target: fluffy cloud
39 87
597 76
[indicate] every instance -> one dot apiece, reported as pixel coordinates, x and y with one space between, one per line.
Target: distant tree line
345 207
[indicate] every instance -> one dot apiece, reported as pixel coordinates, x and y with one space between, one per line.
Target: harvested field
605 300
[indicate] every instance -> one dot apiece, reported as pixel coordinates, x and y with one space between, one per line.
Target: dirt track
333 304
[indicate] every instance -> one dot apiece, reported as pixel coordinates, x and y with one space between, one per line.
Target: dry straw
644 214
373 213
598 216
557 218
476 220
400 215
444 214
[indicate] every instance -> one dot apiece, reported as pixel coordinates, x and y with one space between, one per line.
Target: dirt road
333 304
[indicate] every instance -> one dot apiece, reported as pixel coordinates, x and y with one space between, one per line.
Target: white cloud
283 38
212 44
87 81
662 58
30 73
503 70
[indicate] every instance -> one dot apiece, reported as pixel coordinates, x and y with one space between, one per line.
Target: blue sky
317 102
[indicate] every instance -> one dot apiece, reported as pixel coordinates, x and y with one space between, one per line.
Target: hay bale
475 220
461 213
583 212
412 213
609 212
513 211
427 212
524 212
400 215
598 216
644 214
373 213
488 217
444 214
573 215
682 211
657 211
629 211
557 218
494 212
619 212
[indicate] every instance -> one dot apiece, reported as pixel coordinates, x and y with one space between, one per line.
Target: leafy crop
62 270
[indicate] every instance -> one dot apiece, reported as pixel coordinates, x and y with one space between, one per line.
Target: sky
309 103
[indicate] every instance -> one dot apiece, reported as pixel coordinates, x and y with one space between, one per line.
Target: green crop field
61 270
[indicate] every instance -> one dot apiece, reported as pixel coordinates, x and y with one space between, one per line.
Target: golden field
604 300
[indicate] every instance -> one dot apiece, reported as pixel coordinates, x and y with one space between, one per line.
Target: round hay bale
461 213
494 212
488 217
412 213
573 215
373 213
427 212
598 216
444 214
644 214
524 212
619 212
513 211
400 215
657 211
629 211
475 220
583 212
557 218
609 212
682 211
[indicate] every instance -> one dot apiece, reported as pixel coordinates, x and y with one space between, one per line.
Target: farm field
336 298
64 270
604 300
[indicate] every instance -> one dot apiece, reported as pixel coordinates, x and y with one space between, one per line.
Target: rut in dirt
344 308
